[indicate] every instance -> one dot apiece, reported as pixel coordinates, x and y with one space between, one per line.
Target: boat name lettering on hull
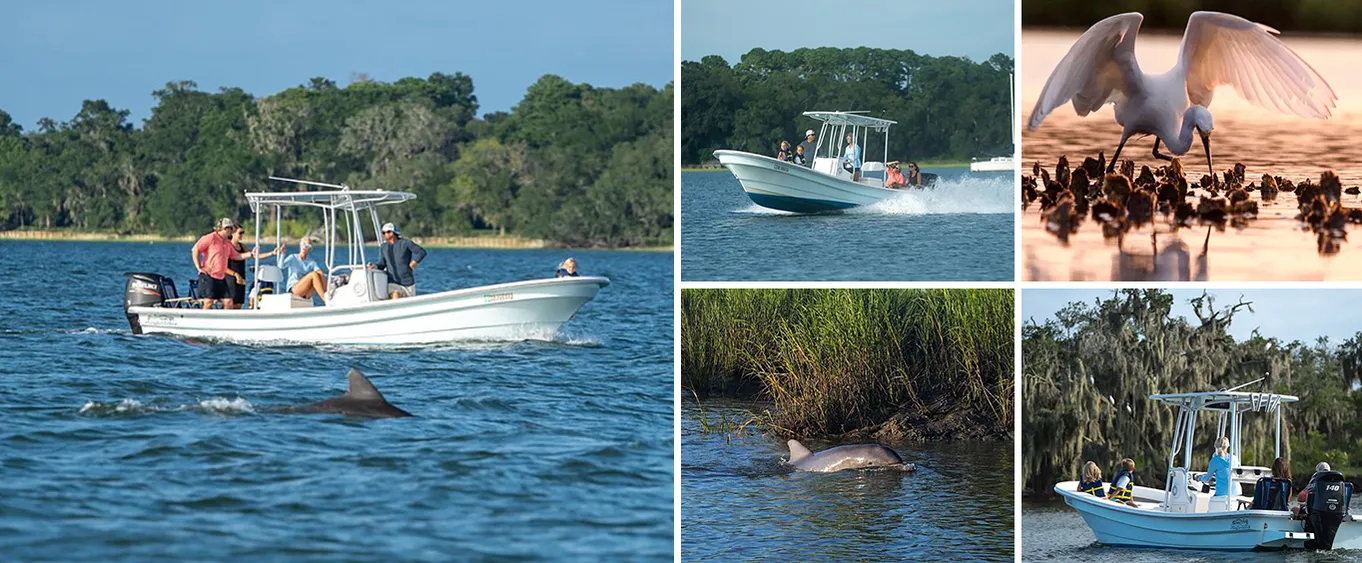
1239 524
782 168
497 297
161 320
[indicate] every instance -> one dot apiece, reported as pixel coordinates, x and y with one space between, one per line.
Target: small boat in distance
1183 514
357 310
825 186
1002 163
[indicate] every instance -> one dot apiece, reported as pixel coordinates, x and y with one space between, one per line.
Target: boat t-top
358 309
826 185
1184 514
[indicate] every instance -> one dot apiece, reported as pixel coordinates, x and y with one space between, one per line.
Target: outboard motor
142 289
1327 505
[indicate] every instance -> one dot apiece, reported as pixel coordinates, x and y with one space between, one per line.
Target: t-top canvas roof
850 118
1221 400
344 197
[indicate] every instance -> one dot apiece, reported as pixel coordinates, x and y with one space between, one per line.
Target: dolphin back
854 456
361 398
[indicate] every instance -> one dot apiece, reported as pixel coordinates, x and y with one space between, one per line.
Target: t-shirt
894 176
852 156
218 249
1122 482
295 268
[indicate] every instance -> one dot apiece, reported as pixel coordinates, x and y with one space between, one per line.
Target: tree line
570 163
946 107
1087 375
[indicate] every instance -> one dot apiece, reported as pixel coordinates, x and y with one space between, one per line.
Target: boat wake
126 407
954 196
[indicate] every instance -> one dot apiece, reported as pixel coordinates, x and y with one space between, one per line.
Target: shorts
212 288
237 291
402 290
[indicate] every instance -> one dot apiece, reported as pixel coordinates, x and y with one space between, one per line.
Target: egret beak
1206 144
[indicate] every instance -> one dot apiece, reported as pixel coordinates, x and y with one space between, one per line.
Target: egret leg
1116 157
1158 154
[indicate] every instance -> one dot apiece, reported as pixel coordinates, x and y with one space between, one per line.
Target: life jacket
1094 488
1122 494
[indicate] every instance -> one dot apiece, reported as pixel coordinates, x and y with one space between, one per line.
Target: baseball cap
390 227
809 132
226 223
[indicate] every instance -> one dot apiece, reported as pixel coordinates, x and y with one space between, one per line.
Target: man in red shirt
216 249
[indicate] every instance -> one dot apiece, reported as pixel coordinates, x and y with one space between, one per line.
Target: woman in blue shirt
1219 469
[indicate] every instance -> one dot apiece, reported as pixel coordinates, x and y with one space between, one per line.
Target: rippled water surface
741 502
961 231
1272 248
150 448
1051 531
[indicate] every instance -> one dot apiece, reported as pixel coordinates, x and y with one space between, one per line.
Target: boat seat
268 273
1270 494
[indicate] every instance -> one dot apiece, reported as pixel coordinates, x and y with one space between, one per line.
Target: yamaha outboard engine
1327 505
142 289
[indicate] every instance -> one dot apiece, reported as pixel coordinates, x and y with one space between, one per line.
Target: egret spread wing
1096 70
1225 49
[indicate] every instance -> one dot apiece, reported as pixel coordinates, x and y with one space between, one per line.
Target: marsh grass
837 360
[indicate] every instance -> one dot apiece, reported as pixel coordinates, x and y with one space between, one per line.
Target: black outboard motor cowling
1327 506
142 289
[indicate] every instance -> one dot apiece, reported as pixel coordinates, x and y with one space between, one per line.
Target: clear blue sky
977 29
1288 314
53 55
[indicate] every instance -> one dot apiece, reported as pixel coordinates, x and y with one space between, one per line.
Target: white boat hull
529 310
1005 164
1235 530
788 187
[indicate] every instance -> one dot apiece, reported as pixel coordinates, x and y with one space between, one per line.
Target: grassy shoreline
475 241
856 364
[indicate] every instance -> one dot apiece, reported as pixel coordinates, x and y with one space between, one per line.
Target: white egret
1216 49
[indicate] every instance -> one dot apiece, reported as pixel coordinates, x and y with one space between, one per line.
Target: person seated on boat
785 154
568 269
1274 493
1219 470
799 157
303 277
236 269
398 257
1091 482
210 256
914 175
1123 484
893 177
1304 497
851 159
809 146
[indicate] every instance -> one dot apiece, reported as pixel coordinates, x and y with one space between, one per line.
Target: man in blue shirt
851 159
302 275
398 257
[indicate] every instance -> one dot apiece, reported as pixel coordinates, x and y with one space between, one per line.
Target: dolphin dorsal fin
361 388
798 451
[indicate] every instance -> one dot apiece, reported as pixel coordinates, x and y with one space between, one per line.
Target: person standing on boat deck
799 157
1219 469
568 269
851 160
302 275
236 269
210 255
809 146
1091 481
398 257
785 153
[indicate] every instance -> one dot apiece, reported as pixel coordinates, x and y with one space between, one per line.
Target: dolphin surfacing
361 399
855 456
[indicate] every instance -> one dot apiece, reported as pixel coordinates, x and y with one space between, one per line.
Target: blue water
960 231
115 446
741 502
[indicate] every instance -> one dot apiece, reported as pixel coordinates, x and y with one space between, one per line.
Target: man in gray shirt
398 257
809 146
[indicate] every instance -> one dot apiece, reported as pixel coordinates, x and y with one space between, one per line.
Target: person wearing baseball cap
398 257
809 146
210 255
